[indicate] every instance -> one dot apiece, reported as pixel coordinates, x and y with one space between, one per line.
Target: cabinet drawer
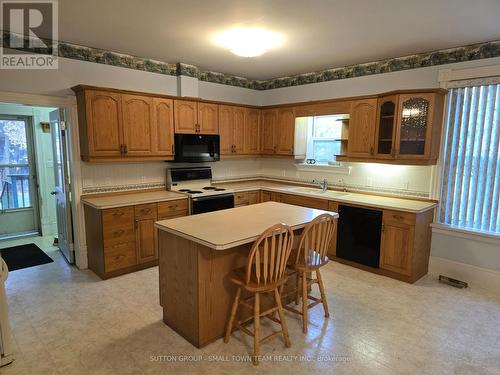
253 197
112 216
118 225
178 207
241 199
399 217
119 256
299 200
145 211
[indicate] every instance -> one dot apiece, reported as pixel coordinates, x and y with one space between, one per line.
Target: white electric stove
196 183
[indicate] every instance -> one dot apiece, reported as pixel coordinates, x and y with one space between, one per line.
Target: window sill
466 233
337 169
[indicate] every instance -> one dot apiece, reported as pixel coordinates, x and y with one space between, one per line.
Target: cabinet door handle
125 149
371 150
172 148
118 213
119 232
121 149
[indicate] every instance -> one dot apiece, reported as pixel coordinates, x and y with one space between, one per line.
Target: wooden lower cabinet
246 198
396 246
124 239
266 196
299 200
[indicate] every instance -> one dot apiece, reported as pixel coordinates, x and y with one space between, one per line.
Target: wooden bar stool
310 257
264 273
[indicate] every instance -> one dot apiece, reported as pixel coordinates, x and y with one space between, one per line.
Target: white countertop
131 199
368 200
225 229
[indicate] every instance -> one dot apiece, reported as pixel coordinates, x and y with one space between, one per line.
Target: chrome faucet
322 184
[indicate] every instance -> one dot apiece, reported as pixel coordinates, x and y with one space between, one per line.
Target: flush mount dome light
248 42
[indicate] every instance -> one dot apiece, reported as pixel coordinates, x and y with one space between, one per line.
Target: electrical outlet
107 181
406 185
143 179
369 181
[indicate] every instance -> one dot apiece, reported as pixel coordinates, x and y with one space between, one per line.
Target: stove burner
219 189
194 192
184 190
209 188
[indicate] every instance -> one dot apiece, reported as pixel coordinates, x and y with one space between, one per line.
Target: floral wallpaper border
445 56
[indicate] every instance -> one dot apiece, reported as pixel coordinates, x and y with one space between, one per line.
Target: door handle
53 192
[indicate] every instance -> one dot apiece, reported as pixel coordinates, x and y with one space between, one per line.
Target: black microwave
197 148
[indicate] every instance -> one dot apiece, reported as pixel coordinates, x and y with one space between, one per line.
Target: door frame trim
69 104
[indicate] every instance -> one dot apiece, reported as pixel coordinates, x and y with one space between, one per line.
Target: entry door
18 197
61 191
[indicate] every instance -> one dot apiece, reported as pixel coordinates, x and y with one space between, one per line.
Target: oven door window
213 203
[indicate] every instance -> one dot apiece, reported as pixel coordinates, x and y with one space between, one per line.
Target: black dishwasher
358 235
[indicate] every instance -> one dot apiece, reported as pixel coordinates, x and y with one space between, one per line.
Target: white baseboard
81 259
476 277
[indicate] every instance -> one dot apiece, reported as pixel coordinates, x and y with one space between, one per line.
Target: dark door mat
24 256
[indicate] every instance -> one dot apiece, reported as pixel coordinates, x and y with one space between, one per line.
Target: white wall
43 160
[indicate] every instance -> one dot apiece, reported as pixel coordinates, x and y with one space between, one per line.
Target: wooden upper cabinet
208 121
185 116
385 132
226 129
285 131
362 124
414 127
163 127
268 131
137 125
231 130
101 130
239 129
252 131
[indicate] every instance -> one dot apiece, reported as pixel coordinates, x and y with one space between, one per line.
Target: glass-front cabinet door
414 127
387 116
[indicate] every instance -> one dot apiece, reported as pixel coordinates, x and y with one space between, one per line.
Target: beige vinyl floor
67 321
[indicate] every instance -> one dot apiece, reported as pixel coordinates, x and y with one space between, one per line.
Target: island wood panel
196 292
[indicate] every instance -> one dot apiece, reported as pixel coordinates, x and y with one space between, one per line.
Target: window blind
471 163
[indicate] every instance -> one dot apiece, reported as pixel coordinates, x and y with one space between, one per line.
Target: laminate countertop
232 227
131 199
367 200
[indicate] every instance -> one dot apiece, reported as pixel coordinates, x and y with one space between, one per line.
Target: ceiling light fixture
248 42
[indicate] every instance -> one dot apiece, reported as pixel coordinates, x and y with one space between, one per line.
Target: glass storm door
18 193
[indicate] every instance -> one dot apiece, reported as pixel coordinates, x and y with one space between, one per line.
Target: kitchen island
196 255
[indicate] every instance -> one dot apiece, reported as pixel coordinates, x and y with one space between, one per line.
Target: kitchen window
471 159
325 137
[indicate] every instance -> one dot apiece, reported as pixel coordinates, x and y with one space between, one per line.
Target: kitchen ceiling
318 34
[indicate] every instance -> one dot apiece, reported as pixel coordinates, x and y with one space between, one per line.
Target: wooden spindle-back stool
264 273
310 257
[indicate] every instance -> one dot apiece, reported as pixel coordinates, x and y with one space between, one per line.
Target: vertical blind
471 165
